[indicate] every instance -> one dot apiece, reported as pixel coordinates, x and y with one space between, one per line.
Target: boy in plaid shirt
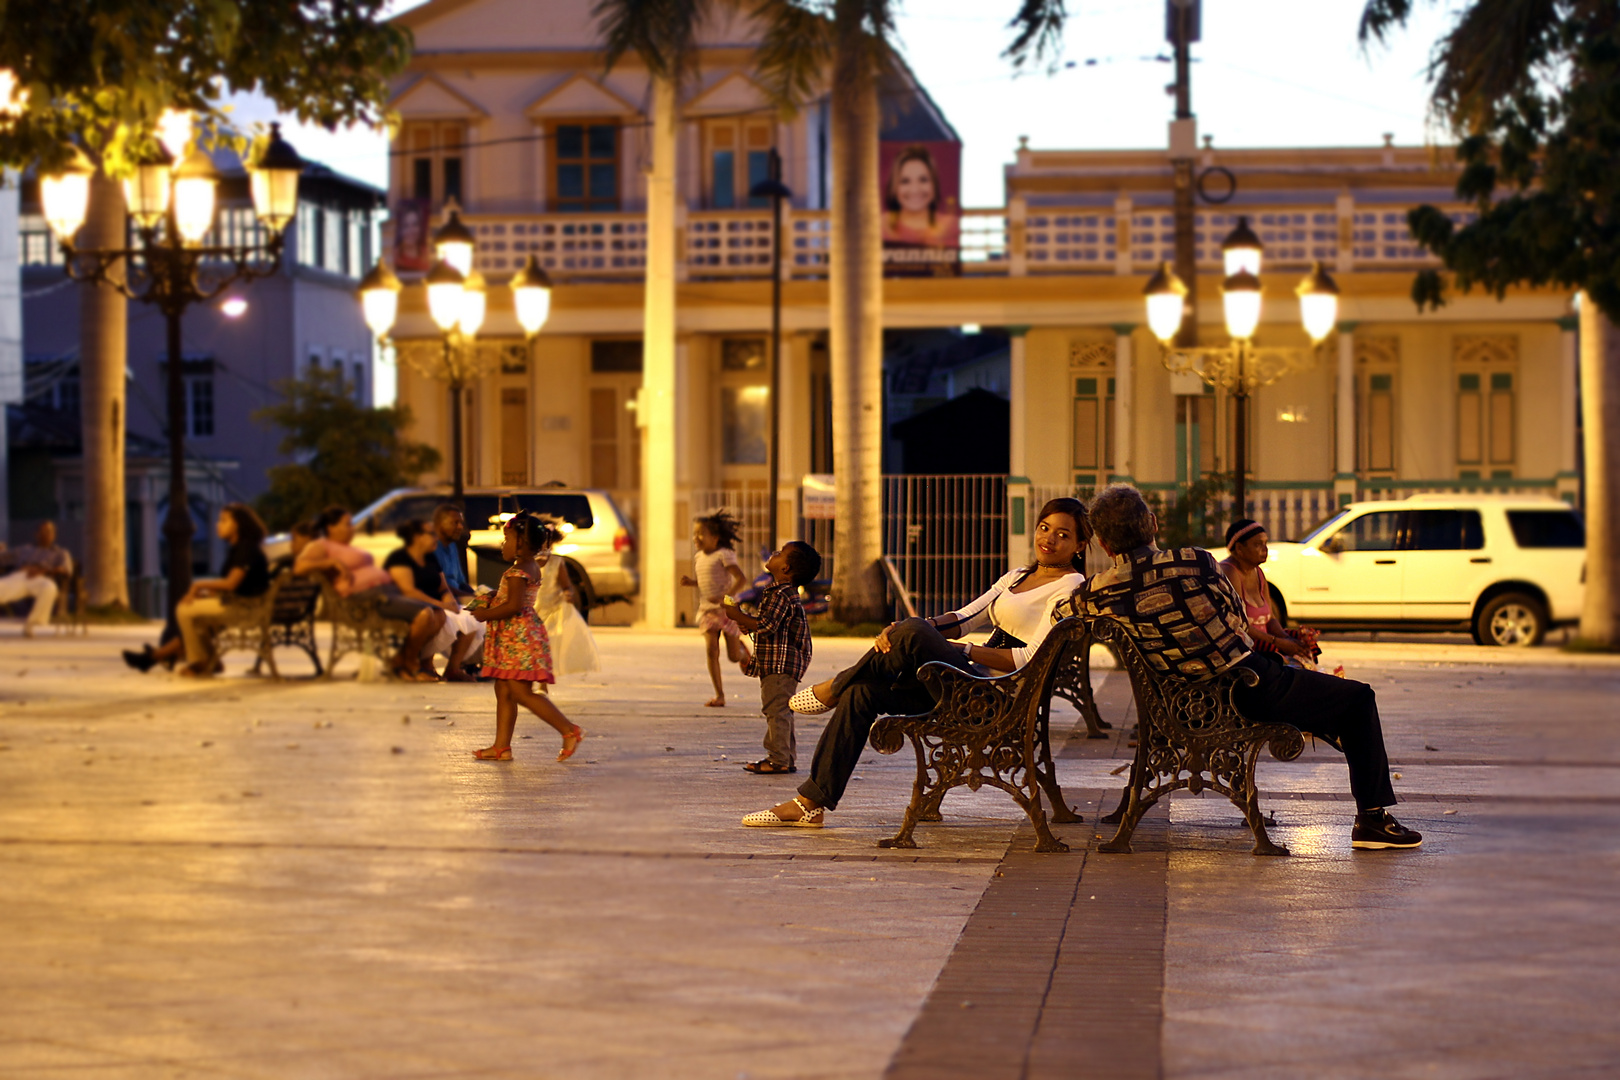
781 650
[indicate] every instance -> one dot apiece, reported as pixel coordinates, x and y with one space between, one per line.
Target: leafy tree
1532 90
104 71
342 453
844 47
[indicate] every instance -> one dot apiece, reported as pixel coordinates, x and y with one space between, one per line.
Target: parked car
1504 568
598 544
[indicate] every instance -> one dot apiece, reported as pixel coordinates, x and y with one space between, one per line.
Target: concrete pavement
252 879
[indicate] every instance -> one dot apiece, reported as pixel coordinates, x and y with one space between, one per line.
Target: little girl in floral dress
516 652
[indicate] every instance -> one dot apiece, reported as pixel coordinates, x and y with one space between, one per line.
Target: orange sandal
492 753
567 751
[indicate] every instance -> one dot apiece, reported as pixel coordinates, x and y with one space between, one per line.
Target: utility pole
1182 28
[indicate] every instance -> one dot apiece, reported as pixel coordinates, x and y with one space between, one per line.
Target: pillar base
1019 523
1344 489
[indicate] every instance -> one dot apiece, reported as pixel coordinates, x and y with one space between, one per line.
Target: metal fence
946 535
753 507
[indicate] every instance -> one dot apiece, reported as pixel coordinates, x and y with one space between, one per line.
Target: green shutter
1501 380
1383 383
1085 388
1469 381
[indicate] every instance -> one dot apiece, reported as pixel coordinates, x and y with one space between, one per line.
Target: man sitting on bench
1184 616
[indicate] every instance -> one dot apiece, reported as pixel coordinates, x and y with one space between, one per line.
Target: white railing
1056 240
1287 513
1393 490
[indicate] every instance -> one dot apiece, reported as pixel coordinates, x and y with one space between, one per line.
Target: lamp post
173 207
772 188
457 301
1239 367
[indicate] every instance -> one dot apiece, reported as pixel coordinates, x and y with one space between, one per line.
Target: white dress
573 649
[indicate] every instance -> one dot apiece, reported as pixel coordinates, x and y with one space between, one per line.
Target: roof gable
580 95
430 96
736 92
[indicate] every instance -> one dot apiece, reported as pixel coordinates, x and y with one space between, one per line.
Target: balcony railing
725 244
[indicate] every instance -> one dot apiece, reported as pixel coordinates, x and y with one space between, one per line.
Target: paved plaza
245 878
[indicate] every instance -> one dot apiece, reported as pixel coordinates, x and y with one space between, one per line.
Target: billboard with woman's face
922 212
413 244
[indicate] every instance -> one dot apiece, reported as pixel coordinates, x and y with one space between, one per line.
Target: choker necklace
1055 565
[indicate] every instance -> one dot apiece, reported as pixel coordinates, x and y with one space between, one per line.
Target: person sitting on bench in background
1184 616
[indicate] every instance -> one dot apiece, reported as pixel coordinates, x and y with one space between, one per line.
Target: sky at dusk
1267 73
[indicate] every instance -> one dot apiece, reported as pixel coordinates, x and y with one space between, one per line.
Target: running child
516 652
716 575
781 650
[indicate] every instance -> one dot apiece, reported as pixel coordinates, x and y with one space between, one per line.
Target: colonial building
509 114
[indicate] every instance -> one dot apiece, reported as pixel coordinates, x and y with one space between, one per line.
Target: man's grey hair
1121 519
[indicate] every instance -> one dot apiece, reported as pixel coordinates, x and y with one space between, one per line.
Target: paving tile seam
696 856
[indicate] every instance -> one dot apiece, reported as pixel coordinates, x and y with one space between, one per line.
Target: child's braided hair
534 531
724 524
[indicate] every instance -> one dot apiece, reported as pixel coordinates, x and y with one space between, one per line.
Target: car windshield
1320 529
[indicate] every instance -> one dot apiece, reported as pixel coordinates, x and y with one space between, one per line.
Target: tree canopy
1532 90
342 452
104 71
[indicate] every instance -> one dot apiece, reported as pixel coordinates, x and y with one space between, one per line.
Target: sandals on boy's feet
806 703
810 819
767 767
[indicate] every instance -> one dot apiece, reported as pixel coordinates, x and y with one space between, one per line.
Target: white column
1344 413
1123 208
1124 402
658 530
1568 395
1018 411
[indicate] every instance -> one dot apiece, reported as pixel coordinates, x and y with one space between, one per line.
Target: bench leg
1046 775
921 799
1250 805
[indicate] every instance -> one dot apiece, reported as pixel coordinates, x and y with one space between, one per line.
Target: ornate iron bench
283 616
993 731
1190 735
358 627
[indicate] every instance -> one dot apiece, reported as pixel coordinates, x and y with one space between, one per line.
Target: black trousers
1338 711
879 684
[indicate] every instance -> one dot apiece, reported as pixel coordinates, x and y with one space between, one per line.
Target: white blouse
1027 616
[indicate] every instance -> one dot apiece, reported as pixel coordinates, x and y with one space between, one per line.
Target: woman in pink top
1246 550
354 573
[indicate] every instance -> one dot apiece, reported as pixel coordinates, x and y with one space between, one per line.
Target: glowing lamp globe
273 180
1241 250
195 183
474 304
146 190
65 193
379 298
454 243
531 296
1318 303
445 284
1240 296
1166 302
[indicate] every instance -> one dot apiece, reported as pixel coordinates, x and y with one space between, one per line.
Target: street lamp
173 208
773 189
457 302
1239 367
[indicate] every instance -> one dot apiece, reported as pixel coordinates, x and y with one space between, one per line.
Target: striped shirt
1178 606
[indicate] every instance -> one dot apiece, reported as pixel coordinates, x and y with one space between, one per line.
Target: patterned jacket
782 639
1182 611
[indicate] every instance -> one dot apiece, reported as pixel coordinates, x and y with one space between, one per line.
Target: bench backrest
294 597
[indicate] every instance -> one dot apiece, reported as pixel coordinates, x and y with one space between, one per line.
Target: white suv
1505 568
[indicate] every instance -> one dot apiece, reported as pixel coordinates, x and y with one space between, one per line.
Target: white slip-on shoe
805 703
768 819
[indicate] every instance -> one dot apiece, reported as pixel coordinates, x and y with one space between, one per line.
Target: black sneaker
140 661
1375 831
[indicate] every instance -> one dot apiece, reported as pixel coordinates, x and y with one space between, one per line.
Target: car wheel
584 595
1511 619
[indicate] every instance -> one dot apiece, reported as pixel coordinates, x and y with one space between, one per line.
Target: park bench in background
1190 735
284 615
993 731
357 627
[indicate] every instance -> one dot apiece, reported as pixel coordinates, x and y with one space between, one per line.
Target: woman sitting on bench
884 682
246 574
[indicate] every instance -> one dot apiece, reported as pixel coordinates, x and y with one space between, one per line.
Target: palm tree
1527 86
803 41
102 316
